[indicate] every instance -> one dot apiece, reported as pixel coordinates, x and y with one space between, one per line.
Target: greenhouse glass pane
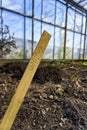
76 46
37 33
82 47
0 18
60 14
28 37
16 26
78 22
28 7
37 9
69 45
59 43
71 18
0 2
16 5
85 56
63 1
48 14
84 21
49 50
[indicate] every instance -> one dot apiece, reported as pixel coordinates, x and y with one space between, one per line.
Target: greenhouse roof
82 3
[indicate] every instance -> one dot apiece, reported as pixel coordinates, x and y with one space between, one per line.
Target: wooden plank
24 84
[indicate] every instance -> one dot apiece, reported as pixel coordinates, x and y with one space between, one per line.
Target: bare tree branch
7 41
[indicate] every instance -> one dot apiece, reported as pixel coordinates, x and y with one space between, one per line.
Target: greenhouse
65 20
43 64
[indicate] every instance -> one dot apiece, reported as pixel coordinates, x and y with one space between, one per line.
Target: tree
7 41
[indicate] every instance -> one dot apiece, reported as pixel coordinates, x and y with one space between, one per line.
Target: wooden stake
24 84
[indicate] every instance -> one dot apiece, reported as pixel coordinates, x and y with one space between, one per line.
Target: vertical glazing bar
85 38
32 26
1 14
1 28
73 35
24 56
81 37
41 14
54 32
64 51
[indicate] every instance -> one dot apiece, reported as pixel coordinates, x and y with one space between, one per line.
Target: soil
56 100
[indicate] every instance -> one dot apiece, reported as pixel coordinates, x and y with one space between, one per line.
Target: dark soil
56 100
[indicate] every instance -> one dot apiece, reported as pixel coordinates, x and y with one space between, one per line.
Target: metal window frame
85 38
68 4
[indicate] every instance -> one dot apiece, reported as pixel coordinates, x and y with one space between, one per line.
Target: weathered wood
24 84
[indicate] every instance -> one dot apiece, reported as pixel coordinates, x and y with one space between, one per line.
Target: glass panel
76 46
37 9
15 24
1 22
0 2
48 10
84 20
85 56
78 11
28 36
49 50
85 6
63 1
69 44
71 18
37 33
28 7
0 18
82 47
78 22
16 5
60 14
59 43
71 6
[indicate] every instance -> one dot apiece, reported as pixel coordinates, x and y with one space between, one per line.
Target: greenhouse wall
27 19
